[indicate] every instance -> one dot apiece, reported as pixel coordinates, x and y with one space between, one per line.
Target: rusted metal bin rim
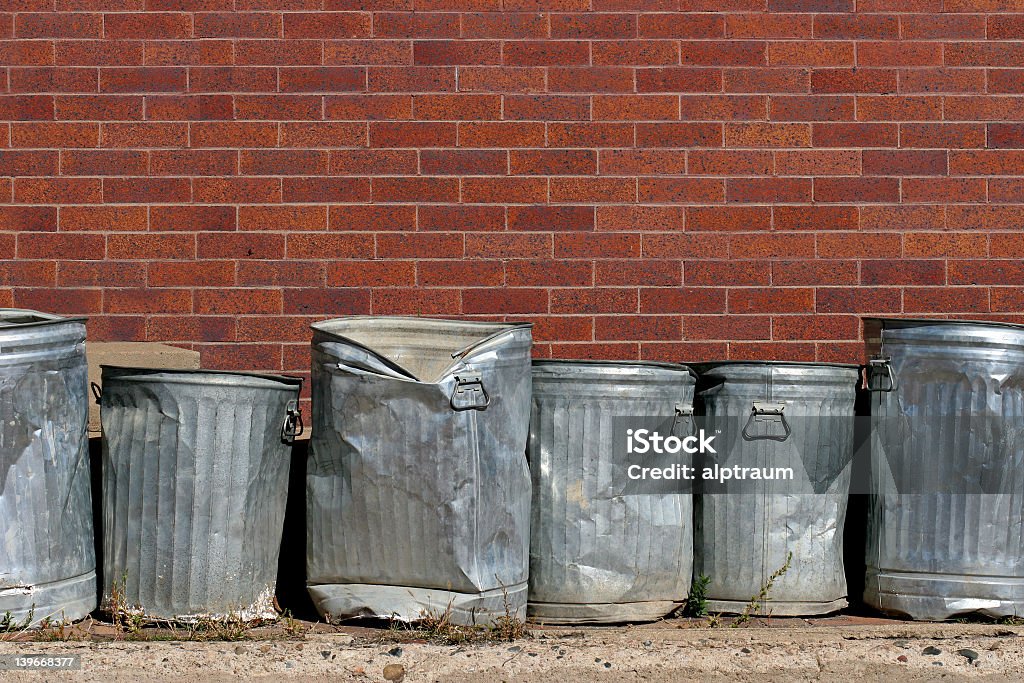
555 366
19 318
355 330
201 377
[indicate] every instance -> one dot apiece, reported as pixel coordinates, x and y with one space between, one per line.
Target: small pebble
515 648
325 653
607 665
931 650
597 660
746 650
937 664
240 650
969 654
901 643
531 654
902 658
394 673
647 643
395 652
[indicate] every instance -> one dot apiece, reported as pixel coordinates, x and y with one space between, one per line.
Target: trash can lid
176 375
23 317
919 322
602 363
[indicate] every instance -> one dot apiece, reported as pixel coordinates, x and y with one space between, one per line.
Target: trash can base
599 613
61 601
938 597
352 600
777 608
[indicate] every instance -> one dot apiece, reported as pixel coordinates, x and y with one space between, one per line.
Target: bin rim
707 366
41 318
904 323
581 362
189 376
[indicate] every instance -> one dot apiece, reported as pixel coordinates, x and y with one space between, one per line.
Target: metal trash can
195 480
770 415
47 556
418 490
597 555
945 530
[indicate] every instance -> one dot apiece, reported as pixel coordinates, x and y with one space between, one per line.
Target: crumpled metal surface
948 414
741 539
195 481
597 555
418 491
47 556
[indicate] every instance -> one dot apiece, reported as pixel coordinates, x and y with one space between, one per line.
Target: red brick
53 79
326 24
504 300
279 107
986 162
546 107
901 217
420 245
342 301
854 134
397 301
927 26
57 191
551 218
145 134
903 272
718 273
602 351
772 80
416 25
98 107
504 25
728 218
233 134
26 53
858 300
548 273
463 162
1010 245
899 53
563 328
773 245
678 79
859 245
190 52
1006 81
987 272
501 134
553 162
321 190
989 54
874 189
475 273
635 53
1006 135
457 107
54 245
805 327
151 246
898 108
27 107
508 245
60 25
640 272
597 300
723 107
28 273
504 190
66 300
283 162
634 327
945 244
768 190
374 162
943 135
768 25
281 273
501 79
244 245
372 217
437 52
811 108
143 79
593 25
602 244
903 162
96 53
415 189
323 134
147 190
880 81
237 25
1001 190
374 52
191 274
460 217
276 52
727 327
856 26
149 25
546 52
284 328
767 135
412 134
722 53
682 190
330 79
643 162
656 24
411 79
266 357
193 162
818 162
815 217
604 79
28 163
949 190
232 79
814 272
942 80
103 218
729 162
682 300
592 190
190 107
140 300
770 300
289 217
371 274
315 245
1007 298
947 299
810 53
669 135
28 218
238 301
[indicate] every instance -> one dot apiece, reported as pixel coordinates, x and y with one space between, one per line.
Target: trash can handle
758 412
466 384
687 412
96 391
293 426
873 368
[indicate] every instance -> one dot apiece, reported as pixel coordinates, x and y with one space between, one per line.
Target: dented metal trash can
945 530
772 417
418 491
47 556
597 555
195 481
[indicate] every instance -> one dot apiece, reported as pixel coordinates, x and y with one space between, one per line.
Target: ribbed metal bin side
418 491
597 555
195 481
934 556
741 539
47 556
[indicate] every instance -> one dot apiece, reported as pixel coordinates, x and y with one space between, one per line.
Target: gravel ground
785 650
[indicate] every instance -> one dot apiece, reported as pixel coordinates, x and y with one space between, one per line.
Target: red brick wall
693 179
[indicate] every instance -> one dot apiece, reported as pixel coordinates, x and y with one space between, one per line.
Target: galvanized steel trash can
47 557
418 491
597 555
946 524
195 480
772 415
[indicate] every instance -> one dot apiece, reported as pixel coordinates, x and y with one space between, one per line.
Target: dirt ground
823 649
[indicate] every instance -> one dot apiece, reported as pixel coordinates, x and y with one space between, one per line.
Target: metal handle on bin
874 369
681 412
763 411
469 393
293 426
96 391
